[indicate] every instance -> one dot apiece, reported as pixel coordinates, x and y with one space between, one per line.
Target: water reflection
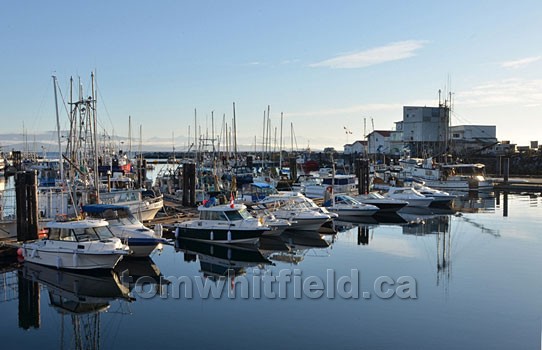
454 253
475 202
218 260
141 276
80 298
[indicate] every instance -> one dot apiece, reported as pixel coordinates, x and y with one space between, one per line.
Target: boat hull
72 260
142 247
220 235
342 212
301 224
386 207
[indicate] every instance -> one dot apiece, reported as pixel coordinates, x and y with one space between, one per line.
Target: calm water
474 283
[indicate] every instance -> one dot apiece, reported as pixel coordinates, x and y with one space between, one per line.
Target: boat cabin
77 232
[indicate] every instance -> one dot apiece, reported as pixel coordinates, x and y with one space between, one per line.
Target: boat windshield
235 215
346 200
116 217
92 233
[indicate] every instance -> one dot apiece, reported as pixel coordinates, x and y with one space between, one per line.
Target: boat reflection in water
141 273
297 244
217 260
475 202
80 296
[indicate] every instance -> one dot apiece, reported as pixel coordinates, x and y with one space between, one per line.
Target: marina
473 266
257 175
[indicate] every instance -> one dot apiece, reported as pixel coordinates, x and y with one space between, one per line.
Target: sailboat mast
58 134
95 126
263 139
234 135
129 137
280 147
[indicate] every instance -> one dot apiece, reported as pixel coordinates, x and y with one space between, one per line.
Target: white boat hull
53 253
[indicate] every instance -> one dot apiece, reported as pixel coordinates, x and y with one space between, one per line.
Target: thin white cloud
348 110
515 64
391 52
517 92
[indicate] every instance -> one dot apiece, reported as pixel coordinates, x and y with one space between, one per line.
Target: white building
378 142
358 147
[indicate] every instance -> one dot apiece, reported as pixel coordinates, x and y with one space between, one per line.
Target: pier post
293 168
26 205
506 170
17 160
362 173
189 185
141 172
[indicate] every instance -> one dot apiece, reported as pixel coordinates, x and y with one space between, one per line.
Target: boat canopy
100 208
261 185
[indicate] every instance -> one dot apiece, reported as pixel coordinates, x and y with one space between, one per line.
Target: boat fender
212 236
177 232
75 260
229 236
158 230
58 262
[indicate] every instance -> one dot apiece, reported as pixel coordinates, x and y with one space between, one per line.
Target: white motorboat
278 226
82 245
141 239
144 208
440 198
226 223
315 187
347 206
298 211
410 195
384 204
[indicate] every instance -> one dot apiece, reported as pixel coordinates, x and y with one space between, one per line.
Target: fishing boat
347 206
141 239
80 245
459 177
225 223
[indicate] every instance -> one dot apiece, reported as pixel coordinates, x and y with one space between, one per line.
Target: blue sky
325 65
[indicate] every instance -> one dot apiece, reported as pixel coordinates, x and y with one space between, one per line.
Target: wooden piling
27 205
362 173
189 185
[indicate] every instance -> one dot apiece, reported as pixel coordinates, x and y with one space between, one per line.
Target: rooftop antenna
439 100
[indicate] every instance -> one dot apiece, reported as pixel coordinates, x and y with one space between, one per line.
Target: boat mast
95 126
234 135
129 137
280 148
263 139
58 134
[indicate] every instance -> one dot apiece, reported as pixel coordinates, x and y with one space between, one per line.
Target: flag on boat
231 201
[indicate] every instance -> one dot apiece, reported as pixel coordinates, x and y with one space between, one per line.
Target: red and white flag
231 201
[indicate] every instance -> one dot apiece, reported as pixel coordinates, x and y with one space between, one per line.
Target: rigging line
40 106
102 100
64 103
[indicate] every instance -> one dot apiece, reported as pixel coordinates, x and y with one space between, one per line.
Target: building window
455 136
